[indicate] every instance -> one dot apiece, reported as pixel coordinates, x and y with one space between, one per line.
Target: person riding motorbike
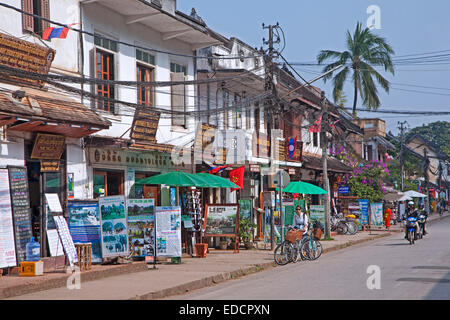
412 212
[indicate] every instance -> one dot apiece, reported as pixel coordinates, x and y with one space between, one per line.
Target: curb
60 282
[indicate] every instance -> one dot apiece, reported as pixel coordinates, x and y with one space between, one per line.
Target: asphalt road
419 271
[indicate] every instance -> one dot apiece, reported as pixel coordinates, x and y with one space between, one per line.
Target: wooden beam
7 121
26 126
88 1
139 17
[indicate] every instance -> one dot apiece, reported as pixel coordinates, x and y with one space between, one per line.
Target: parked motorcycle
411 229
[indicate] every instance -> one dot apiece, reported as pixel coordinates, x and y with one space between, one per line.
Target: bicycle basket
293 235
317 234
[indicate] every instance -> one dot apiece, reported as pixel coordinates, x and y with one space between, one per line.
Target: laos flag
292 147
60 33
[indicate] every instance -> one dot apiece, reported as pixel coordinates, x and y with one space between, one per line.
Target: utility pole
426 164
268 108
402 153
324 145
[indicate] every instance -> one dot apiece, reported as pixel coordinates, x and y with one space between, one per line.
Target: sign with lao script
48 146
26 56
145 125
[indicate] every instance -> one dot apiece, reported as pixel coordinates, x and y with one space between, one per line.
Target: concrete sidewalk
140 281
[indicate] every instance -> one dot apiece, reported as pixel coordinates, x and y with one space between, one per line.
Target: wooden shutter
178 99
27 21
45 12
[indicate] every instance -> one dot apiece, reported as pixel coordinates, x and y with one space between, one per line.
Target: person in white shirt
301 220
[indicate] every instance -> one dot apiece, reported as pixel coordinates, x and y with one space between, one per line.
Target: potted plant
245 232
223 243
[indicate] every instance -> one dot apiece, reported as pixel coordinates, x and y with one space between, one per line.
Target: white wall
12 152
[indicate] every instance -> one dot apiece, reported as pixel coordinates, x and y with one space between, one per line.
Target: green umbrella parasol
304 188
216 181
176 179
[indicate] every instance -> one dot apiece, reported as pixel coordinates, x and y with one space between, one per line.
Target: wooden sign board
145 125
48 147
261 145
50 165
26 56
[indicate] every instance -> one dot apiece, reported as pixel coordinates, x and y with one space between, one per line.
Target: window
238 111
37 7
104 70
107 183
145 93
315 139
178 73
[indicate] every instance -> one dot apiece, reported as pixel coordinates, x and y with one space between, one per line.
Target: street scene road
419 271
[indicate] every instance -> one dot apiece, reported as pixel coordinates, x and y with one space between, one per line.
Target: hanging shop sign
26 56
84 225
168 231
255 168
113 221
7 247
19 191
144 160
50 165
48 147
344 190
145 125
141 220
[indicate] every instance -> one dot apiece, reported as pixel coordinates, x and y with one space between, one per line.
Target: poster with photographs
221 219
168 231
84 225
113 221
141 219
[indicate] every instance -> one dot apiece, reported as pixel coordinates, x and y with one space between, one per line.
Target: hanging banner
245 207
364 211
376 214
66 239
84 225
113 221
168 231
7 246
18 188
141 219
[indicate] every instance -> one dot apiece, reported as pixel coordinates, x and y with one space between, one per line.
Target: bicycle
311 248
288 250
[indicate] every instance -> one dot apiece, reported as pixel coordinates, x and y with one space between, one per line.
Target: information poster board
245 208
364 211
54 243
113 221
7 246
18 188
141 221
66 239
317 212
84 225
376 214
168 231
221 219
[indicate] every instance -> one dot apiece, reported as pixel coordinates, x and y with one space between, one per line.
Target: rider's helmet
411 203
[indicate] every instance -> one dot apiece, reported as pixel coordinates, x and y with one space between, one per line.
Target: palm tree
364 51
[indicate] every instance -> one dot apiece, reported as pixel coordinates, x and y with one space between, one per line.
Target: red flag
316 126
237 176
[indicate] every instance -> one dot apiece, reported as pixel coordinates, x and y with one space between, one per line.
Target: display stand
191 205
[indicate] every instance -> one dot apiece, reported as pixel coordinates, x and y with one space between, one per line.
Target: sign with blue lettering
344 190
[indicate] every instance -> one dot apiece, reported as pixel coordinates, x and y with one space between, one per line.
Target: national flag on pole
60 33
215 170
237 176
292 147
316 126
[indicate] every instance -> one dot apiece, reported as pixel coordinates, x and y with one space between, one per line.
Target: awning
32 110
312 161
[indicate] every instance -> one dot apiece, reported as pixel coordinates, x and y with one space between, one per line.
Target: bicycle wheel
283 253
311 250
352 228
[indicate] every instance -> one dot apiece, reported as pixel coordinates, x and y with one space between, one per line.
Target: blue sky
411 27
